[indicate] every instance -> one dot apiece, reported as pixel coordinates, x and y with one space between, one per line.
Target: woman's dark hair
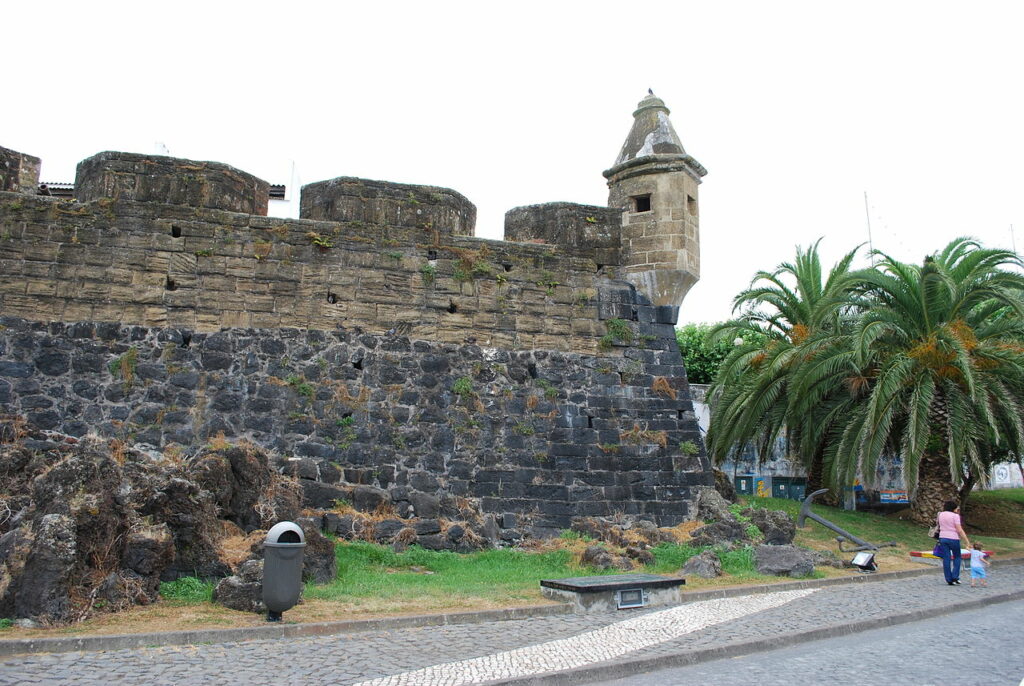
949 505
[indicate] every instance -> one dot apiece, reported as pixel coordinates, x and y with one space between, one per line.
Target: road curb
25 646
12 647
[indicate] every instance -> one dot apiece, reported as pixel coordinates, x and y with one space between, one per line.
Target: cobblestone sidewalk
595 646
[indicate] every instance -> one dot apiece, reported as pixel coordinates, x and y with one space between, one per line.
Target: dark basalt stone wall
533 437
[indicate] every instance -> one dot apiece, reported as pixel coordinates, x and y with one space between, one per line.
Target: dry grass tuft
219 442
639 436
15 428
235 546
406 536
116 451
662 386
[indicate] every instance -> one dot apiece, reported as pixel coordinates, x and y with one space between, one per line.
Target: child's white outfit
977 564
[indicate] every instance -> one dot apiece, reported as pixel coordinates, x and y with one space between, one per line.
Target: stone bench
614 591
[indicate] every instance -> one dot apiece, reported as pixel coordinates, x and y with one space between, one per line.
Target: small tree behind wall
702 358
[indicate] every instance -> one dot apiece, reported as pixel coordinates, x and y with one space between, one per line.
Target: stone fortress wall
384 352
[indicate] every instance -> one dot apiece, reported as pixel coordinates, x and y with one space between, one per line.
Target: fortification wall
383 354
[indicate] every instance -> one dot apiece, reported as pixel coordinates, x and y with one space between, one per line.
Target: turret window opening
691 205
641 203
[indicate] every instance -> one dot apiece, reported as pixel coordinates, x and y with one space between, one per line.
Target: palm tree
752 399
938 350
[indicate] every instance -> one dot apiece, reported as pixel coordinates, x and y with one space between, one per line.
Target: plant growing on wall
324 243
688 448
662 386
618 330
638 436
463 387
124 366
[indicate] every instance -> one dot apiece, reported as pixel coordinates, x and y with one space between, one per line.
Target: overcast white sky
795 108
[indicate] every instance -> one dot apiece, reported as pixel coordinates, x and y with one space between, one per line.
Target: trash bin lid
285 534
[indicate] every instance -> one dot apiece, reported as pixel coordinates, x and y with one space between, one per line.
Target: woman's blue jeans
950 552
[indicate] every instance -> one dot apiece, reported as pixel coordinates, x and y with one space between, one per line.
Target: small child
978 564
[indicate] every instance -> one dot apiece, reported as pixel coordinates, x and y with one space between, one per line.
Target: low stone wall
534 437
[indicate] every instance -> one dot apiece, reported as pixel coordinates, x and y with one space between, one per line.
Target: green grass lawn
877 529
371 570
1011 495
509 575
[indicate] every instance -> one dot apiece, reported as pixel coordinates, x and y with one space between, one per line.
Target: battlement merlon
19 173
434 210
588 231
654 184
126 176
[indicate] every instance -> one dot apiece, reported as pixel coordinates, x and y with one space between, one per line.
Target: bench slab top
612 582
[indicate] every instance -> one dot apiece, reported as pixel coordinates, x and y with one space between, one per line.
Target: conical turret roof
652 136
652 132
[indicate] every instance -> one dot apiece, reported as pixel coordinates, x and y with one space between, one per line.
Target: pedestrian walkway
536 650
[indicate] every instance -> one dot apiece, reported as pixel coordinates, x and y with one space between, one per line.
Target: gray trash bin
282 568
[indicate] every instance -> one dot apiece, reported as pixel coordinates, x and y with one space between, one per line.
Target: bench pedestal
614 592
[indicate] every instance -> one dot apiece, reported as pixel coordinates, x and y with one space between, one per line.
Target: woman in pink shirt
950 533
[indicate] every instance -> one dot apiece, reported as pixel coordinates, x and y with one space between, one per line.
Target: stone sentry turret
654 183
648 235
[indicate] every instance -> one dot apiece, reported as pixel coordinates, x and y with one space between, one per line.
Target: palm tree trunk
934 487
965 491
816 479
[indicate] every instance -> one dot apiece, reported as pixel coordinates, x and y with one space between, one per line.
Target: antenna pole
867 215
1013 243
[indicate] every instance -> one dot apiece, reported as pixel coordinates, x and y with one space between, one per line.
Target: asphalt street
972 648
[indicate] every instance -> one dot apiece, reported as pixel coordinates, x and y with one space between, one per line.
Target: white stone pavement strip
600 645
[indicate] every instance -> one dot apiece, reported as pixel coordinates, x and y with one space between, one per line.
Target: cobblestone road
444 654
